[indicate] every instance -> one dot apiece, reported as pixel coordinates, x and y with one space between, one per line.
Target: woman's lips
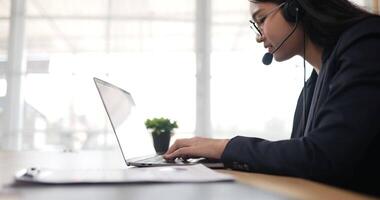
270 49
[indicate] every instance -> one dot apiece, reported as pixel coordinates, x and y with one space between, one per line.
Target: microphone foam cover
267 58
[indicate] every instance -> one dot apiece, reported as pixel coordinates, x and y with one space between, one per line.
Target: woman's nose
259 38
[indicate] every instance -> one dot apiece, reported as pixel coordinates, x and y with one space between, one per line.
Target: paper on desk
167 174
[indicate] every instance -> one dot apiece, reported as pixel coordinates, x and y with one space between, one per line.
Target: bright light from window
3 87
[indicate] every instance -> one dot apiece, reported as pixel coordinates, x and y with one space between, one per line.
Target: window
4 30
148 48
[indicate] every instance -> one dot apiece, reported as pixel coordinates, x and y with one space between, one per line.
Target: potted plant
161 130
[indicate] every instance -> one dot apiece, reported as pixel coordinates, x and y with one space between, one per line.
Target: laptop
134 141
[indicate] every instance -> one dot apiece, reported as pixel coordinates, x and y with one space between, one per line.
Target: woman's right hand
196 147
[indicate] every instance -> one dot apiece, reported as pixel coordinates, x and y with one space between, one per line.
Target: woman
335 137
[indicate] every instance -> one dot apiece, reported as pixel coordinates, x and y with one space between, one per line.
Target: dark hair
325 20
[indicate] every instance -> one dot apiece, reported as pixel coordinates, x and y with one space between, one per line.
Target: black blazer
341 142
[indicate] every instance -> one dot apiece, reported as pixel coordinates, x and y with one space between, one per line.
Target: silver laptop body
130 131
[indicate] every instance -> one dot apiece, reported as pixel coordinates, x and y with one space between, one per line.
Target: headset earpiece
292 10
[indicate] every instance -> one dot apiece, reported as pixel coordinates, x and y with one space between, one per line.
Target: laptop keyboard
155 159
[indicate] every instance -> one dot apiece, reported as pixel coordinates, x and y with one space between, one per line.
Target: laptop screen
128 126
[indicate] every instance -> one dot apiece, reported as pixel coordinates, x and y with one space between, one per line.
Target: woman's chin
281 58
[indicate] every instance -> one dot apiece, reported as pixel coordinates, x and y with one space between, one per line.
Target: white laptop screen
133 139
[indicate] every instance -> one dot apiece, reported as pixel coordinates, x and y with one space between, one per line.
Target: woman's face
275 29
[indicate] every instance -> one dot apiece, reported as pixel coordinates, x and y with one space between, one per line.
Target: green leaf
160 125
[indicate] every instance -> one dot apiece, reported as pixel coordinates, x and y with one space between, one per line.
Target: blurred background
193 61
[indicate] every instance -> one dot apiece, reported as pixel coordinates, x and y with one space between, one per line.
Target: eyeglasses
256 26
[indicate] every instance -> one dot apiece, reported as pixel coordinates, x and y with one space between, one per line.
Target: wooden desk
294 187
248 185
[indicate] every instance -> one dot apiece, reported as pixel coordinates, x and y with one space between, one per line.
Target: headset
292 13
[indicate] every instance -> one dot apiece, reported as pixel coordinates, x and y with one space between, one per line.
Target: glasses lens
255 28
